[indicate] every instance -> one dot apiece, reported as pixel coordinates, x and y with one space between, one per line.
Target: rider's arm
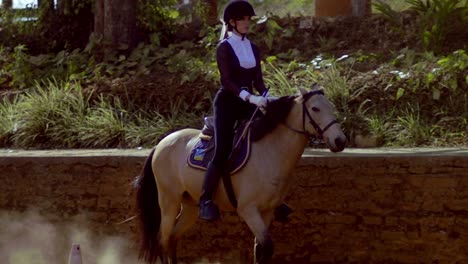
224 66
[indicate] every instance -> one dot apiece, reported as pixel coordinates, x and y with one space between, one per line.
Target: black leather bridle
305 112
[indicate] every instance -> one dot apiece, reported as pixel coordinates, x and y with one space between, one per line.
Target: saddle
203 150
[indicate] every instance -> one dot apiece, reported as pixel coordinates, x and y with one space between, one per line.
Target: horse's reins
246 128
305 112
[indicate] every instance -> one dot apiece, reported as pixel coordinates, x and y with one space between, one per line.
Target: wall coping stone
308 152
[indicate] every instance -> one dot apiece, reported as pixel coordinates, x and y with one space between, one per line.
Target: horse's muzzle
339 144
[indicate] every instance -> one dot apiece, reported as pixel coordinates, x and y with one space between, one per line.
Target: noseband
305 112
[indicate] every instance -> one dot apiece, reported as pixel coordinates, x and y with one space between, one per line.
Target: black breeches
228 108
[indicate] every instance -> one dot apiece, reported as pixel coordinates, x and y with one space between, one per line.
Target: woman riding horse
239 66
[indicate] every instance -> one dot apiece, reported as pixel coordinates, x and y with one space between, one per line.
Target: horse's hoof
208 211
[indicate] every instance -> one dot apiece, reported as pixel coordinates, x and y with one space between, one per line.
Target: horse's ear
315 86
299 99
302 90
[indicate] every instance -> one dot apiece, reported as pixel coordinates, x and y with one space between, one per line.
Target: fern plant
438 19
389 13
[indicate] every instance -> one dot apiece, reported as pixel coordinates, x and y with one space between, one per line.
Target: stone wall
405 206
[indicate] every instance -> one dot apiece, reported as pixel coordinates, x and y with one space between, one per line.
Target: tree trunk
325 8
7 4
212 14
342 7
47 6
99 18
64 6
115 21
361 7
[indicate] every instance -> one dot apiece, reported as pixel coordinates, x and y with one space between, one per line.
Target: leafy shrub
157 16
438 19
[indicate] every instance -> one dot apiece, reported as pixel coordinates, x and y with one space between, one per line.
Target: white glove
253 99
271 98
259 101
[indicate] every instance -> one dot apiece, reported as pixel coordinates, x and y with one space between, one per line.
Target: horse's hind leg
258 224
186 218
170 207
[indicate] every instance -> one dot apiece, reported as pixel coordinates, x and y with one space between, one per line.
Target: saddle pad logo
199 154
203 152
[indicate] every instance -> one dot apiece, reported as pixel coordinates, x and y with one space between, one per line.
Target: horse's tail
148 212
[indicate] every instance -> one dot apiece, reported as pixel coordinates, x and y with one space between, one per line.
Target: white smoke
28 238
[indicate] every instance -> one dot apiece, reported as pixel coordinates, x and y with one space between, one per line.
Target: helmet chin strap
242 34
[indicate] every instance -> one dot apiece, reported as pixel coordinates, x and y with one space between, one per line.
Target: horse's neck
288 145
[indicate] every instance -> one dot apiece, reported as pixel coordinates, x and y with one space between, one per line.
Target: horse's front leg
172 251
259 224
263 251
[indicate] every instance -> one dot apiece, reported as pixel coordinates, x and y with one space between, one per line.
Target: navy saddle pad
203 152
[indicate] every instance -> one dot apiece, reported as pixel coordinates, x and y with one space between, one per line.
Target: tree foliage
157 15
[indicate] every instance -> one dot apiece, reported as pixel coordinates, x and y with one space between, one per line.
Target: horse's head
319 119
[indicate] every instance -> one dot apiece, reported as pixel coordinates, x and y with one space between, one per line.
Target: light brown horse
168 189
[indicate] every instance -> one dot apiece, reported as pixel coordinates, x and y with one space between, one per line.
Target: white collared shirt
243 50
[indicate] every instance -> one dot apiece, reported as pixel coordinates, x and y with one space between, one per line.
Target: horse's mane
276 113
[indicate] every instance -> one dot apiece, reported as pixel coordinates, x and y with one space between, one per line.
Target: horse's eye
315 109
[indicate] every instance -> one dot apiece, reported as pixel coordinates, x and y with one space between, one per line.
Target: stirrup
208 211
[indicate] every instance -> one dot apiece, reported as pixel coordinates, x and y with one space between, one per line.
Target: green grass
411 129
7 119
45 115
58 115
103 126
277 80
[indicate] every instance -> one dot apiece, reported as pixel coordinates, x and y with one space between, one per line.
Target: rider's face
243 24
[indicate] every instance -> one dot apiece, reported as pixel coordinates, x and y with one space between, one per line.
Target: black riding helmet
237 9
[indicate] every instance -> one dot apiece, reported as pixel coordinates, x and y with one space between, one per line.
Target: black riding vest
233 76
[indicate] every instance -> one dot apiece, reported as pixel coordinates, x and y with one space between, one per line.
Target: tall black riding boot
208 210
